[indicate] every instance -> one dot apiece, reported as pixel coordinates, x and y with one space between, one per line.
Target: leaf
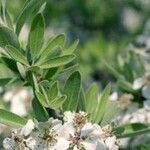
127 86
51 73
82 101
130 130
57 102
36 35
91 100
102 104
11 119
39 111
16 54
30 8
59 61
10 63
111 112
4 81
72 90
53 43
8 37
53 91
113 71
41 99
71 48
22 70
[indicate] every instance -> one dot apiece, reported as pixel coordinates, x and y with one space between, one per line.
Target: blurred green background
104 28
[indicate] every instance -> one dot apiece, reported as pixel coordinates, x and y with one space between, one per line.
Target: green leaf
102 104
36 35
113 71
59 61
4 81
130 130
11 119
91 100
82 101
111 112
22 70
72 90
10 63
41 99
16 54
53 43
53 91
29 10
57 102
126 86
39 111
71 48
8 37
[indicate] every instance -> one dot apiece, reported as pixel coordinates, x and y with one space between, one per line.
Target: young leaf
57 102
8 37
72 90
36 35
102 104
16 54
91 100
11 119
39 111
53 43
59 61
30 8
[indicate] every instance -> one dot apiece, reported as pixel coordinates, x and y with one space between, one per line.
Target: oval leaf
36 35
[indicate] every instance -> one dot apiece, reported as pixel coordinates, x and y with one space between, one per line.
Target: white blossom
19 138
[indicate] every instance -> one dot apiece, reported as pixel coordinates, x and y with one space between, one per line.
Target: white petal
68 116
147 104
146 92
9 144
27 129
113 96
62 144
111 143
138 83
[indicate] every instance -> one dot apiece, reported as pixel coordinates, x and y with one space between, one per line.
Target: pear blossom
19 138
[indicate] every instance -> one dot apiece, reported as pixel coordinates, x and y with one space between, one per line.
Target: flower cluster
74 133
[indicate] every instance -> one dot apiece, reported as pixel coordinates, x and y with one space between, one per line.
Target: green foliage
11 119
134 129
102 104
8 37
36 35
72 90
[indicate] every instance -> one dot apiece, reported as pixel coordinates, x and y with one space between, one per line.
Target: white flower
111 143
19 138
78 120
106 134
87 137
47 135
